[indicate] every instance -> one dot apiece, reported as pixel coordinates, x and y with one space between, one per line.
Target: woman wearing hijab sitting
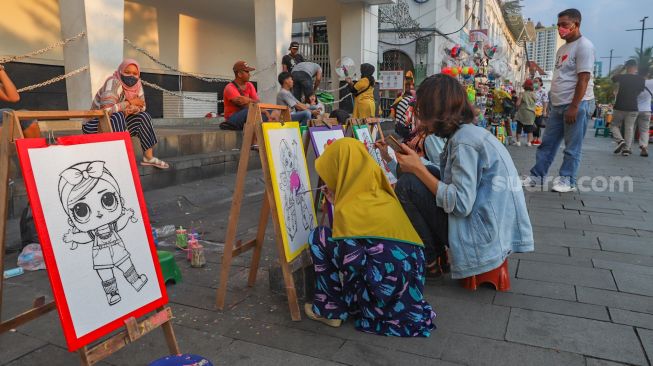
123 97
363 92
479 189
370 266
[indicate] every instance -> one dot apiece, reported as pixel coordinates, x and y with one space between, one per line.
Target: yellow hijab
365 204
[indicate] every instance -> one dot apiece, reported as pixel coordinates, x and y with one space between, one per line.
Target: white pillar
360 33
101 49
333 31
273 19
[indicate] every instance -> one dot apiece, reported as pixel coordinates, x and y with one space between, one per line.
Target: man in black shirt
625 108
293 58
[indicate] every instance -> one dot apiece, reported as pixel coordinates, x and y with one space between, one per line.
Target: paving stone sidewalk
584 297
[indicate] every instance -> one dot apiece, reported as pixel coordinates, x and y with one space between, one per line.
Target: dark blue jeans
429 220
555 132
301 116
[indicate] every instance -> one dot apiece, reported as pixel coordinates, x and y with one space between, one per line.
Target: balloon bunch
459 70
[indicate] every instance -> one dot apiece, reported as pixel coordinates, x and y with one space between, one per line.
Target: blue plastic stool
182 360
599 123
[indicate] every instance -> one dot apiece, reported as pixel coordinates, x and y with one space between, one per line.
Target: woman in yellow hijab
370 266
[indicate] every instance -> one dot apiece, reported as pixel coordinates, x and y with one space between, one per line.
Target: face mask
129 80
536 85
564 32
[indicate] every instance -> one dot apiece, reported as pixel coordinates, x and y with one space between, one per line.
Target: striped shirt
111 97
401 111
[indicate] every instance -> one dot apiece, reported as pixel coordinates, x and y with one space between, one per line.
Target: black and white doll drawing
96 211
291 185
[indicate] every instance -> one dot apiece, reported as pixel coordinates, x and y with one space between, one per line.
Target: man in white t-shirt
572 102
644 114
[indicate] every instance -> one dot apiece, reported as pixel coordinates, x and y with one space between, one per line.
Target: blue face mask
129 80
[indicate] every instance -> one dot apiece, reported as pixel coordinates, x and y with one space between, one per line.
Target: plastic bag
165 231
31 258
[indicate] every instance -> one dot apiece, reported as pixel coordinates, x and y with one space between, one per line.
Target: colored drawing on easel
289 172
362 133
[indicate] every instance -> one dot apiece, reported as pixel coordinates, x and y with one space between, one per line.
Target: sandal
308 309
438 267
155 162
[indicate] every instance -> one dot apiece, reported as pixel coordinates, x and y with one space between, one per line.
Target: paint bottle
182 238
155 238
13 272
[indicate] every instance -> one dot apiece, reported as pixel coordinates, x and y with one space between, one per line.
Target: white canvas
321 138
363 135
80 264
292 188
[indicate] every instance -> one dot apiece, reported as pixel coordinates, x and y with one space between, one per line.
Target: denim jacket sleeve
458 197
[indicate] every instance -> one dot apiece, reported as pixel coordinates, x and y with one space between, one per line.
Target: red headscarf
131 92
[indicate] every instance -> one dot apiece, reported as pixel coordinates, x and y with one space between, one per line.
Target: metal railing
318 53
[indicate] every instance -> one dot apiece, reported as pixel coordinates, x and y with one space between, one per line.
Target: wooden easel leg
83 355
260 239
6 134
291 291
169 333
234 213
227 256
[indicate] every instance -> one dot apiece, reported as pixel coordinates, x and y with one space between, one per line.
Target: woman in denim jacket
479 190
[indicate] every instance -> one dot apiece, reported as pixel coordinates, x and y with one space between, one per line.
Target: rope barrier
334 90
53 80
170 92
43 50
161 63
186 73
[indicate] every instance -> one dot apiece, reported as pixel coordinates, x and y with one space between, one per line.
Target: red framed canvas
95 233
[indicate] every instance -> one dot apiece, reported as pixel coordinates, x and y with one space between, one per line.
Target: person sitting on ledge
301 112
370 265
123 97
479 189
237 96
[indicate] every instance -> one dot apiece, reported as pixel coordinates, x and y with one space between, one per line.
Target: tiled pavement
584 297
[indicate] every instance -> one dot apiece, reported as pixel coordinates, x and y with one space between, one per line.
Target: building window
449 4
459 6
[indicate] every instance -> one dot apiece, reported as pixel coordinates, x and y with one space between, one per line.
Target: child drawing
91 198
291 185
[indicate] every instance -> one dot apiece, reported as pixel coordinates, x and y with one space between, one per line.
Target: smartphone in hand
393 143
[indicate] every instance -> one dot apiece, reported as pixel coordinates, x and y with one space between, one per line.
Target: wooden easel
90 355
11 131
133 331
374 124
233 248
349 127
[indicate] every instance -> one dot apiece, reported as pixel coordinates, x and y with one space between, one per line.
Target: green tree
644 59
604 90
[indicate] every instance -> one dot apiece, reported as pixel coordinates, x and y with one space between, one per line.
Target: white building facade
544 47
448 22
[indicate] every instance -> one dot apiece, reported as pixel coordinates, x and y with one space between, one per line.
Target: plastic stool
499 277
169 267
603 131
182 360
599 123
